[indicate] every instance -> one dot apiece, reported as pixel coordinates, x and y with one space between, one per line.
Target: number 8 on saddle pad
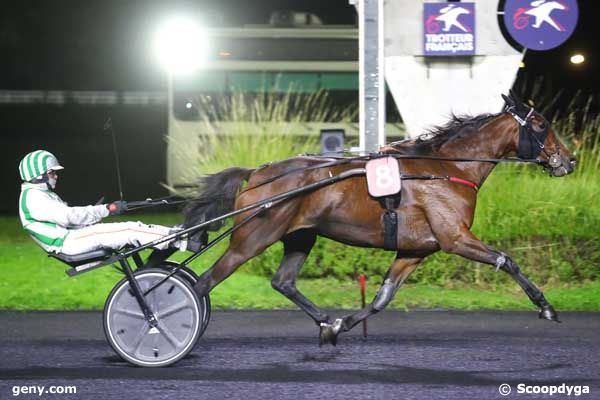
383 177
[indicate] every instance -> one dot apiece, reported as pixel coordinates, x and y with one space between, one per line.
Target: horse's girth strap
390 225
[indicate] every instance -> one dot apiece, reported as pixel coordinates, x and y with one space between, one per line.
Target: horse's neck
495 139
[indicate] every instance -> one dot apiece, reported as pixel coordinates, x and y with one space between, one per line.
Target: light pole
180 47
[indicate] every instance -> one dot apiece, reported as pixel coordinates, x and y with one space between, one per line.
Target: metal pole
371 86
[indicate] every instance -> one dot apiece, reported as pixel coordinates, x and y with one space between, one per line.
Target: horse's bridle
531 140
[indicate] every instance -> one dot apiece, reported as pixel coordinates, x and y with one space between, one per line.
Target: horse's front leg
464 243
396 275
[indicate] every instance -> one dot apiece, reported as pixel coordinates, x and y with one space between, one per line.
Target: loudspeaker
332 141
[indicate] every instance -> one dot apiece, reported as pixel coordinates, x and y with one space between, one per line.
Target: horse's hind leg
297 246
396 275
247 242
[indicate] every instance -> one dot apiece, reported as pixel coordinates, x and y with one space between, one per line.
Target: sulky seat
83 258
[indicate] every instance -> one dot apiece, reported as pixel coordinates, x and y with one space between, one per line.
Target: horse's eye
541 127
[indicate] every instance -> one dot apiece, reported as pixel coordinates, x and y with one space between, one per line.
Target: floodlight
577 59
181 45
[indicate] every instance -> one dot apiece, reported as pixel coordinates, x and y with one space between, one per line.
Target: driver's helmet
36 164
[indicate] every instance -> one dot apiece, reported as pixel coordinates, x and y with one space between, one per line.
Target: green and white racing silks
48 219
36 163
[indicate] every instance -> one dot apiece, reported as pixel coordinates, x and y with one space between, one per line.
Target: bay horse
432 215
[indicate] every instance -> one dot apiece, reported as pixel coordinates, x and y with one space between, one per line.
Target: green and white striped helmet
36 163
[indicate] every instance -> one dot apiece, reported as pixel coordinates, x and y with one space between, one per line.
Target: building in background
294 55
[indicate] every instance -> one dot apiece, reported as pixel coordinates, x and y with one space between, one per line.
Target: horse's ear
514 97
520 106
508 101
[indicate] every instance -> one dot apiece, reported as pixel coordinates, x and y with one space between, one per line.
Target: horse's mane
434 138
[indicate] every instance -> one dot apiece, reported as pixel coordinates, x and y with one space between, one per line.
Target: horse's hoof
548 312
328 332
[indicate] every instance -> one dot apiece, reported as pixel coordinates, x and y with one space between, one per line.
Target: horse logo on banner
449 29
540 24
449 16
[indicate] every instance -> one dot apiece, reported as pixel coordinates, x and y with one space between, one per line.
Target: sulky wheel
191 278
176 308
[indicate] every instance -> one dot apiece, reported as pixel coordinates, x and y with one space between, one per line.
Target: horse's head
537 139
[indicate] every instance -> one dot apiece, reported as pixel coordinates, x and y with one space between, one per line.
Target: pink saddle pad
383 177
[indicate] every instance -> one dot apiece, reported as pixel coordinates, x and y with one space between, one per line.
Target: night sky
106 45
83 45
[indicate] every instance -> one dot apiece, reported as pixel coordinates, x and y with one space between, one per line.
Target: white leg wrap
500 261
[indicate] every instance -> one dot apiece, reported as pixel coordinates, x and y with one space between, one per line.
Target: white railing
83 97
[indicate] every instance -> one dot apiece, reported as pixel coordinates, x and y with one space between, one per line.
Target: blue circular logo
540 24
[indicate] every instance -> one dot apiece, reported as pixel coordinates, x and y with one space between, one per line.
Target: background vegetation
549 225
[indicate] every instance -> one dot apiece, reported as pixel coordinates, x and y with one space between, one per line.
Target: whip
108 126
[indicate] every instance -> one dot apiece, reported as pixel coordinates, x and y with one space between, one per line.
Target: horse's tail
217 196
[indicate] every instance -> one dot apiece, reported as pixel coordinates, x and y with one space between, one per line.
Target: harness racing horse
433 214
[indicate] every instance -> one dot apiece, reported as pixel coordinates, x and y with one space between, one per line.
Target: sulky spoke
173 309
139 339
130 313
162 327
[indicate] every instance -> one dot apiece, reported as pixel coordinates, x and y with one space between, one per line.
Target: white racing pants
115 236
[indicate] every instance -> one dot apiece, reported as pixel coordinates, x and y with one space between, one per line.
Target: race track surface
275 354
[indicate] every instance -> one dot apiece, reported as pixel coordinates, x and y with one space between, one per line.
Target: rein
525 130
301 169
454 179
407 157
162 201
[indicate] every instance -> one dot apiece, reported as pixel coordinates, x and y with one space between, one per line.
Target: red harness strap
464 182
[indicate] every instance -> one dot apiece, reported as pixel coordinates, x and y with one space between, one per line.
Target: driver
58 228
